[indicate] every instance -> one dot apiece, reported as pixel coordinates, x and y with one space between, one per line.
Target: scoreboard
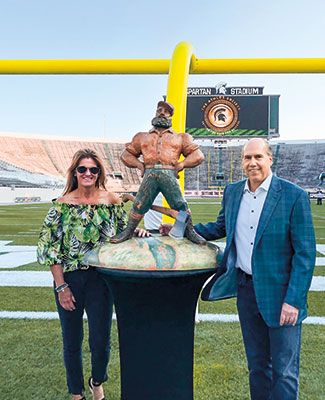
231 112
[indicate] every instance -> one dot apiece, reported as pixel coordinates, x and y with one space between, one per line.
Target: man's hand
289 315
164 229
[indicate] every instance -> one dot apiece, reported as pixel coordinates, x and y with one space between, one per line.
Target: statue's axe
163 210
178 229
181 217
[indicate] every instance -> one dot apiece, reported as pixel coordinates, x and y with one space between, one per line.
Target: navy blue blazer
284 251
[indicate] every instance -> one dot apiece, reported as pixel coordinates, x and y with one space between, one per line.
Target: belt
153 231
159 166
247 276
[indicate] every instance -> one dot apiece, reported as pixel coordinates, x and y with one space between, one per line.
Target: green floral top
70 230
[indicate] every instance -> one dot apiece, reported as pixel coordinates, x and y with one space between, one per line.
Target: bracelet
61 288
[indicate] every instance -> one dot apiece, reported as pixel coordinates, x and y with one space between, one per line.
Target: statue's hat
167 106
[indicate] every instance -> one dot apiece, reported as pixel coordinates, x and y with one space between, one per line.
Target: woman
85 215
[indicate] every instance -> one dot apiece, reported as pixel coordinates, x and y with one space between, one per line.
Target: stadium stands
301 162
31 161
13 176
39 161
297 161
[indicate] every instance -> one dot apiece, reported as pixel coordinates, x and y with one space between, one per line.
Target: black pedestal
155 316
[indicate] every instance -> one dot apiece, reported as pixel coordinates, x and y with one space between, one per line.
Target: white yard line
318 284
234 318
201 317
44 279
320 261
21 255
26 278
321 248
9 260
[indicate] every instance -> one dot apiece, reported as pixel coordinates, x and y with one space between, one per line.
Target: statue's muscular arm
132 152
193 155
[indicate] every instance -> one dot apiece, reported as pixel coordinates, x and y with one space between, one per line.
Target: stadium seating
42 161
37 161
298 162
12 176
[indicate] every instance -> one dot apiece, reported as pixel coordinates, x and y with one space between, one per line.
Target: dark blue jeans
273 354
93 296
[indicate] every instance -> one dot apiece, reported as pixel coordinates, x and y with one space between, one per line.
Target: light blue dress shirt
250 210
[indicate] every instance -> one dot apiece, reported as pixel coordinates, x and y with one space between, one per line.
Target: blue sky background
117 106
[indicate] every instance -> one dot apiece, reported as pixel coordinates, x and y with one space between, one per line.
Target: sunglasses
92 170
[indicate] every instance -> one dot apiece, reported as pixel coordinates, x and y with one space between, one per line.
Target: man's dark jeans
273 354
93 296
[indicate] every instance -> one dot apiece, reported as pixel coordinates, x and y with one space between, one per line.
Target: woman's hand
127 197
66 299
141 233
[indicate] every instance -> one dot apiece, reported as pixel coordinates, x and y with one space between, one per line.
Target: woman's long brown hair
72 182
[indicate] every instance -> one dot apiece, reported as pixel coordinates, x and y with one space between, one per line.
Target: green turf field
30 350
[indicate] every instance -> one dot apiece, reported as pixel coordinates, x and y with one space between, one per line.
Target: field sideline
30 350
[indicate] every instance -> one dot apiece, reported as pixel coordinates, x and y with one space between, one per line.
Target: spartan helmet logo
221 88
221 114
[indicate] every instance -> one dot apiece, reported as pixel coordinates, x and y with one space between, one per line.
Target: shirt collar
154 130
265 185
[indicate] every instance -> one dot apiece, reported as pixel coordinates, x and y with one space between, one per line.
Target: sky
115 107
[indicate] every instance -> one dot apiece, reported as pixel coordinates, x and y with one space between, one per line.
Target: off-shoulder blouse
70 230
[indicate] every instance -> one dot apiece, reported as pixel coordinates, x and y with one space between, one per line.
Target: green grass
26 299
31 350
209 211
35 266
33 370
316 305
319 271
42 299
21 223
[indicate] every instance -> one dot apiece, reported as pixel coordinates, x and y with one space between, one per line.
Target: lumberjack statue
160 148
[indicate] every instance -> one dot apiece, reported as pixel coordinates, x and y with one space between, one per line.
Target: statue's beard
161 122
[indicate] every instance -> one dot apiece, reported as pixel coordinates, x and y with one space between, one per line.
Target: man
161 149
319 197
268 260
153 219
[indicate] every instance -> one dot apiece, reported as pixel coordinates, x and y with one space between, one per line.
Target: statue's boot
191 235
128 231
